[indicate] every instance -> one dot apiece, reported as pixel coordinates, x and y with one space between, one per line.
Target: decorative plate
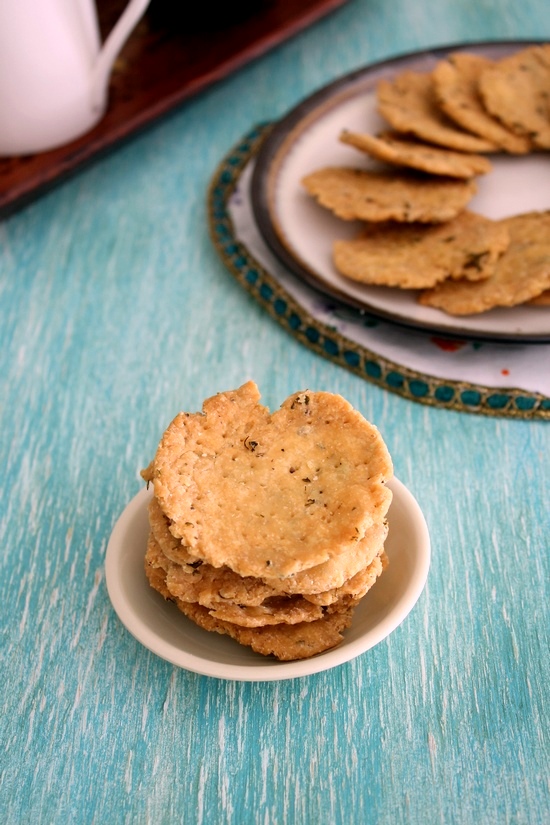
301 233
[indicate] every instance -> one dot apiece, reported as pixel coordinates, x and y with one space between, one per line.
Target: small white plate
301 233
160 626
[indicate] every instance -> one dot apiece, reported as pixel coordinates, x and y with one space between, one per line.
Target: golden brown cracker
324 578
282 610
207 585
287 610
207 590
276 493
522 273
409 104
456 86
321 579
356 587
285 642
409 152
252 604
171 546
357 194
516 90
415 256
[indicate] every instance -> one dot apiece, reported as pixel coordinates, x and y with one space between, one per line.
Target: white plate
301 232
160 626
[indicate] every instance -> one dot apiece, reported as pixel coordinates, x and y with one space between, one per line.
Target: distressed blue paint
115 313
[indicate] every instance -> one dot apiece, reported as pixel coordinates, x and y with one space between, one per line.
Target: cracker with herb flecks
322 580
356 587
393 148
183 585
416 256
226 598
171 546
456 86
271 493
516 90
357 194
200 582
409 105
285 642
522 273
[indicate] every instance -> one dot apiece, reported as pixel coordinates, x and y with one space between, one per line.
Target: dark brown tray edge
81 153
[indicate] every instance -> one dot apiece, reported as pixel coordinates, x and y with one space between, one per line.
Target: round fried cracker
182 585
321 579
285 642
356 587
324 578
401 151
280 610
357 194
409 104
522 273
207 585
415 256
211 591
455 83
274 494
516 90
171 546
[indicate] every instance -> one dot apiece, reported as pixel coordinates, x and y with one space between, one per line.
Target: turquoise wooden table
116 312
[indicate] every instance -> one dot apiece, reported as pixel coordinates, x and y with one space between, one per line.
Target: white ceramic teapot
54 73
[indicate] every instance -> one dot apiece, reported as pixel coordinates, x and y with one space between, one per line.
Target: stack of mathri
269 528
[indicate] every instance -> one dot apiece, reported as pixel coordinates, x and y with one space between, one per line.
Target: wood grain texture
115 313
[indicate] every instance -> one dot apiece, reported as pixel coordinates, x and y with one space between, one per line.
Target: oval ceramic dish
160 626
301 233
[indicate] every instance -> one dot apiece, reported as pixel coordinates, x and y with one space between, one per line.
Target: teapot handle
112 46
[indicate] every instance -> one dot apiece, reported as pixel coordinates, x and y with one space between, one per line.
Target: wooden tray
169 57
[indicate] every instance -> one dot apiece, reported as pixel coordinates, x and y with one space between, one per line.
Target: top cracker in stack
269 528
417 233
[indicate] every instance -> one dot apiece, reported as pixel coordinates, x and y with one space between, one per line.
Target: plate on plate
300 232
161 628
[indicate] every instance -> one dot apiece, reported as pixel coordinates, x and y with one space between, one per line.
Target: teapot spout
111 48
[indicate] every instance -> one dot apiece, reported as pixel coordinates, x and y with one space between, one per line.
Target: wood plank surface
116 313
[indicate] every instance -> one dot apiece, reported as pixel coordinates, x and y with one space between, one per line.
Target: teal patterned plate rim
323 338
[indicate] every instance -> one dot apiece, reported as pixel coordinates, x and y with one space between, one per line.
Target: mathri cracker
408 103
456 85
271 493
409 152
516 90
522 273
357 194
321 580
416 256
